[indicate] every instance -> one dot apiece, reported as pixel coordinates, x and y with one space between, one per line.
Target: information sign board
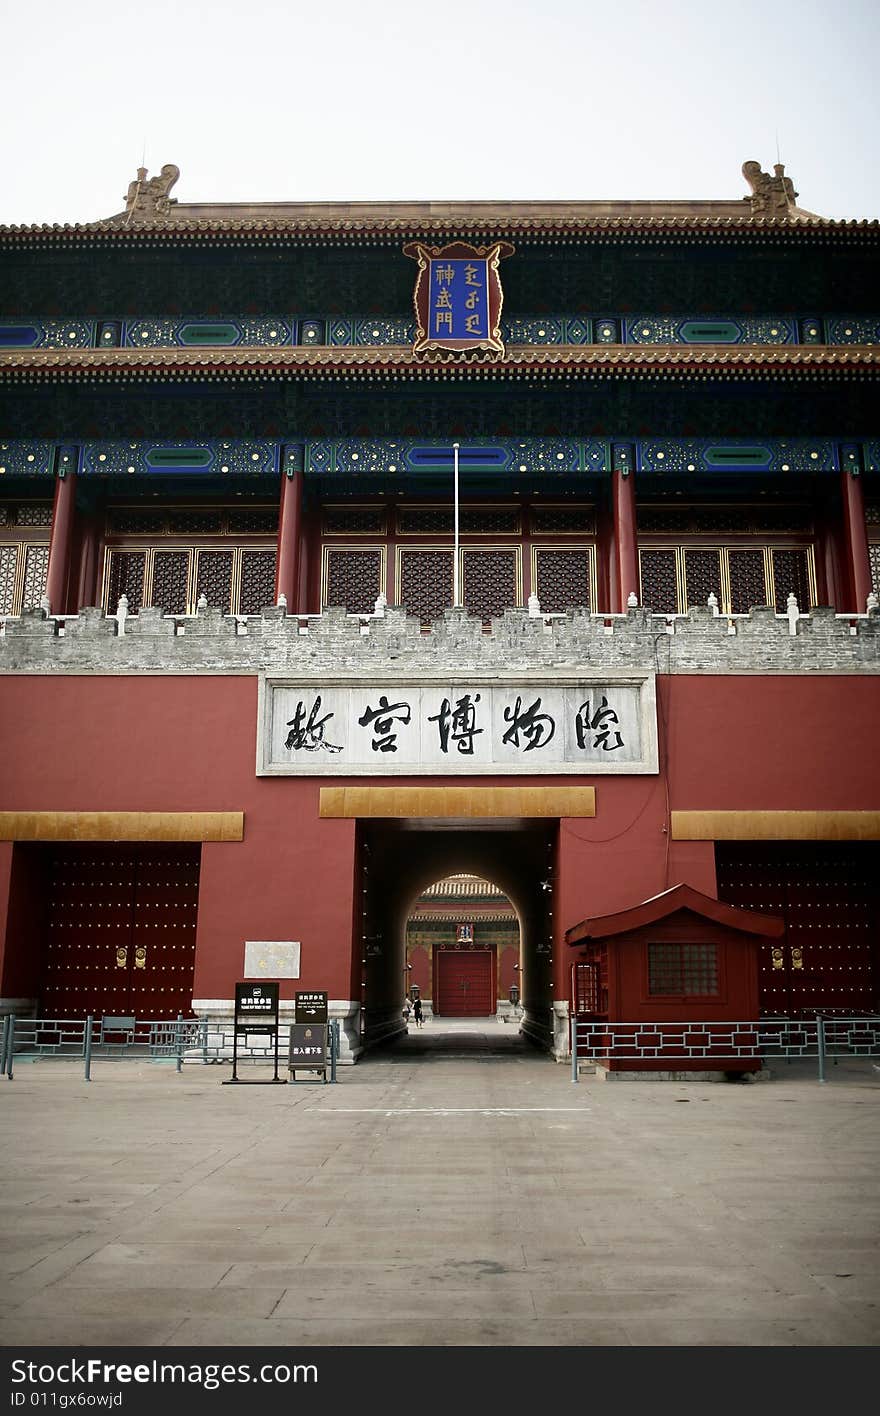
308 1049
310 1008
256 1015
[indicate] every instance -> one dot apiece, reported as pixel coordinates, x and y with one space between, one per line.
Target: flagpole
455 586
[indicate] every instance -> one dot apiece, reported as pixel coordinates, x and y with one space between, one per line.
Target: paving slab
458 1190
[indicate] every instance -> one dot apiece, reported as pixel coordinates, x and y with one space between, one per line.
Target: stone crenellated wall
393 643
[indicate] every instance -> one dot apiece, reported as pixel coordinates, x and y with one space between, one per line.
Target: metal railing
185 1041
688 1046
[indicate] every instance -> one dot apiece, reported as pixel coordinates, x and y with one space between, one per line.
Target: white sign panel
461 728
271 958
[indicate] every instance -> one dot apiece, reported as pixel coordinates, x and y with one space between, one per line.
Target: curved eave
670 902
523 363
392 231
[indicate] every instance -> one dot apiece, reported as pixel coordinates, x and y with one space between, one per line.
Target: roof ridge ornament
771 196
148 197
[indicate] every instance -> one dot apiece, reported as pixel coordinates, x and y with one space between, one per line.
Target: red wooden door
465 983
828 896
120 931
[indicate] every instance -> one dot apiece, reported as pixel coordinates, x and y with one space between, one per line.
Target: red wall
189 744
727 743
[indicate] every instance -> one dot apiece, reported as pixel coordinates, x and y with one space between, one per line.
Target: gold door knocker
140 956
122 956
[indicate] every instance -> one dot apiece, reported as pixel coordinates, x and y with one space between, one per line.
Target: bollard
4 1043
87 1048
574 1048
180 1042
820 1037
10 1045
334 1047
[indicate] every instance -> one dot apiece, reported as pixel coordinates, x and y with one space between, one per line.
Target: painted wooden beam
470 803
121 825
775 825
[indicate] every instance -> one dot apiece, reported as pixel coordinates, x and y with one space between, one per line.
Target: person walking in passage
417 1012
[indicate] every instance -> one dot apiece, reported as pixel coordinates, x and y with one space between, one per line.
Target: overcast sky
261 100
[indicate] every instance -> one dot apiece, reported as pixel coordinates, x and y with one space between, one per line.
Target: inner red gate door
829 898
121 931
465 983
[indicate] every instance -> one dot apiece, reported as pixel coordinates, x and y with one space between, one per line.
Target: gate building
349 549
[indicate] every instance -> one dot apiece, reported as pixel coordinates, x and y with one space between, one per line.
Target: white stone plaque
463 727
271 958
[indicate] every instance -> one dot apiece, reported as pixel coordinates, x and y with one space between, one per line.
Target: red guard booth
675 973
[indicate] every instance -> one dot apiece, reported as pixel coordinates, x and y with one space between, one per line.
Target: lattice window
8 572
659 577
252 521
126 576
722 520
354 520
170 581
678 578
489 521
473 521
563 579
490 581
135 521
5 515
563 520
875 567
783 519
715 520
791 576
683 969
34 514
425 521
425 587
353 579
748 581
872 513
588 990
702 570
257 581
194 523
214 570
36 565
663 520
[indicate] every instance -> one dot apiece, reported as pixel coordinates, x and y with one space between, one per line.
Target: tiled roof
562 228
522 362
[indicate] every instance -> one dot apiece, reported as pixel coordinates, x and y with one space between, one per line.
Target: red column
606 568
855 535
60 543
829 554
289 536
312 568
87 589
626 547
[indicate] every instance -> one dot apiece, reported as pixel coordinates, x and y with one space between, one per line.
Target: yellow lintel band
776 825
121 825
473 803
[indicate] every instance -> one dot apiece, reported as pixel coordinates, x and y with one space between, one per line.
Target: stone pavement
456 1190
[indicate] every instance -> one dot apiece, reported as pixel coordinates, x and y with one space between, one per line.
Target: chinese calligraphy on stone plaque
457 728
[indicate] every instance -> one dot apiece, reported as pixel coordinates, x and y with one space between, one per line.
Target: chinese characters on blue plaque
458 302
458 297
459 728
